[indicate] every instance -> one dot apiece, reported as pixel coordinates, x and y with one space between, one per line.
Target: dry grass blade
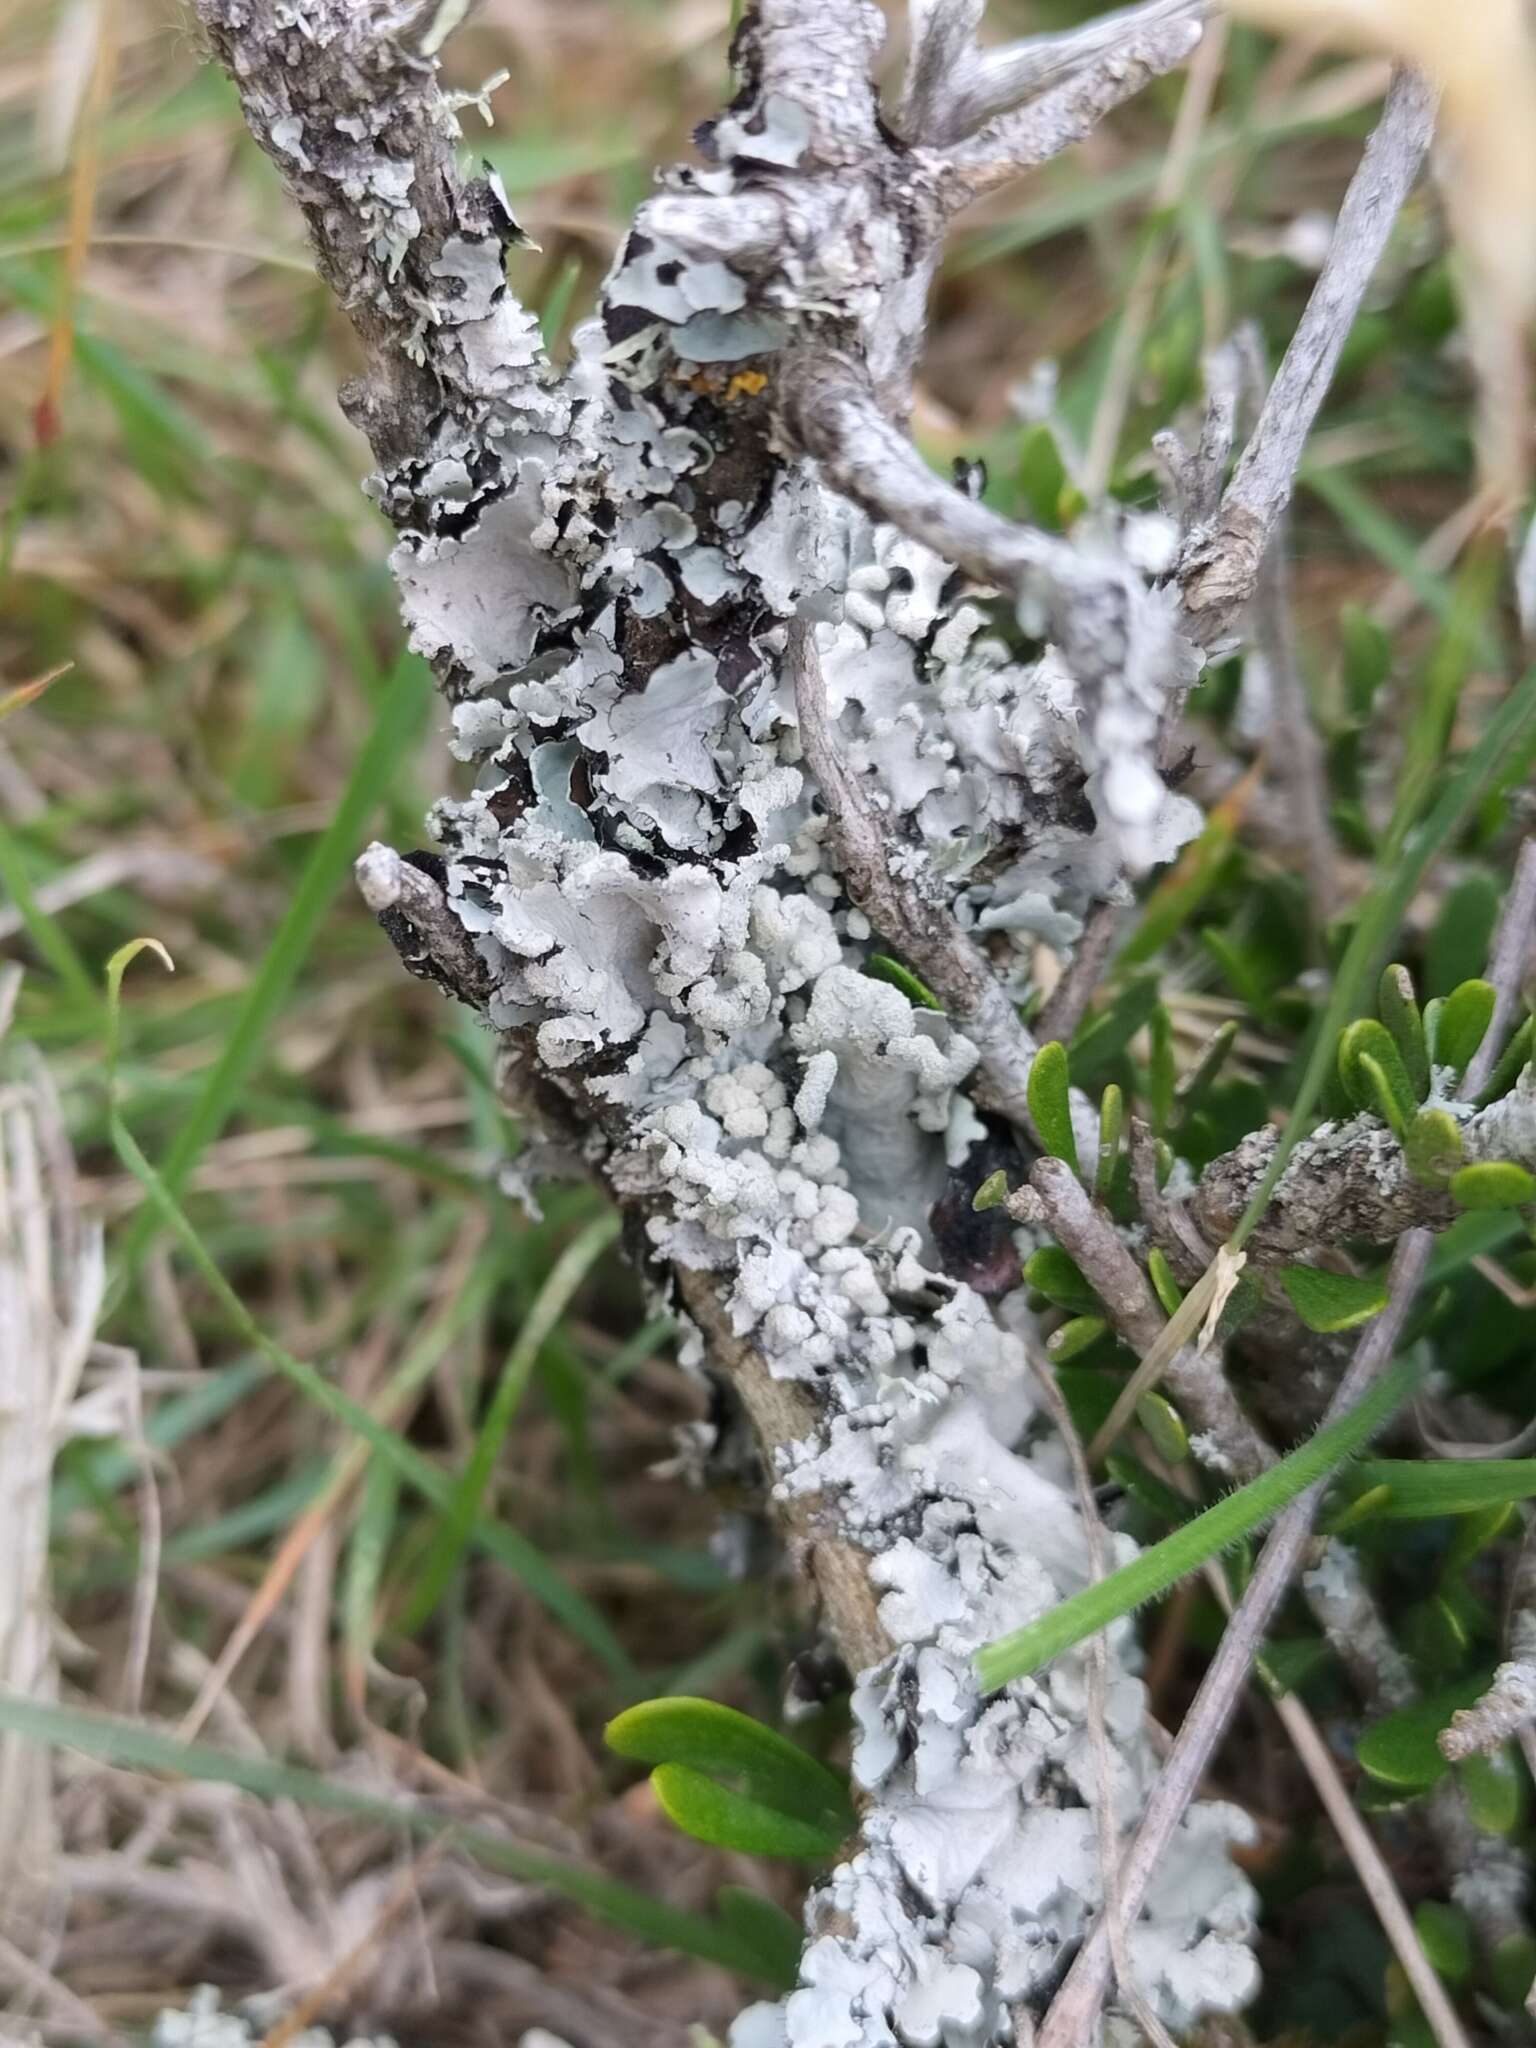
51 1285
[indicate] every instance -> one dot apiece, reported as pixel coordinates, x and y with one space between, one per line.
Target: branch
349 109
953 88
1144 44
1073 2016
1222 567
872 863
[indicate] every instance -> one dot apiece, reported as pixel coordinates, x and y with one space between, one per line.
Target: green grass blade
550 1304
1195 1544
132 1746
400 711
510 1549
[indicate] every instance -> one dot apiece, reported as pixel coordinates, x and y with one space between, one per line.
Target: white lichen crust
603 566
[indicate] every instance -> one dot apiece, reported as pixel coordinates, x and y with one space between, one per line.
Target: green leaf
1511 1062
726 1819
881 967
992 1193
1105 1037
1367 657
1145 1488
1447 1938
1164 1286
1051 1272
1332 1301
130 1745
765 1928
1401 1750
1513 1969
1394 889
1048 1091
1372 1070
1368 1506
1205 1537
1494 1184
1165 1427
1432 1147
709 1738
1042 476
1424 1488
1399 1011
1111 1124
1462 936
1476 1532
1075 1337
1462 1024
1491 1786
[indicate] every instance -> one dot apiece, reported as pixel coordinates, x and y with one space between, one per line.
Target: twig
1221 568
1067 1004
1513 948
1141 293
1021 142
1096 1658
1073 2015
953 88
1195 1375
923 930
1295 751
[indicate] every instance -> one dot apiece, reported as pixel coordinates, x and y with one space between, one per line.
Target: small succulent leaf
1493 1184
1369 1506
992 1193
1332 1301
1446 1935
1401 1750
1399 1011
765 1928
708 1737
1145 1488
881 967
1432 1011
1464 1019
1491 1787
1384 1088
1111 1124
1050 1103
1164 1286
1075 1337
1432 1147
1289 1663
1512 1970
1510 1064
1165 1428
1056 1275
1385 1100
1476 1532
713 1813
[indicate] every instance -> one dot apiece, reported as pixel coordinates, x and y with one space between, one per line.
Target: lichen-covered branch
752 697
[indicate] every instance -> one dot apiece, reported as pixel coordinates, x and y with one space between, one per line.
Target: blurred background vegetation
185 547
